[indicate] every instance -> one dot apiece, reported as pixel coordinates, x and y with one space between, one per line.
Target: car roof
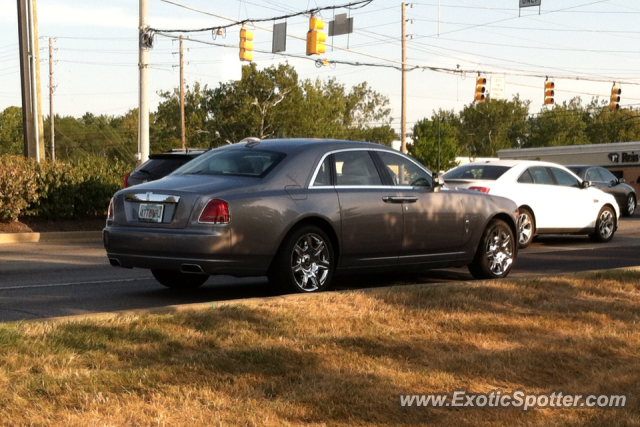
293 144
512 163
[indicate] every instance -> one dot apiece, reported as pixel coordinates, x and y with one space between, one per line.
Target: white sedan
551 199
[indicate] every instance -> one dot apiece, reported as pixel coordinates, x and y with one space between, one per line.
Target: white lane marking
54 285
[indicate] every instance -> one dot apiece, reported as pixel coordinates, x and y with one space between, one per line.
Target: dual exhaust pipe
184 268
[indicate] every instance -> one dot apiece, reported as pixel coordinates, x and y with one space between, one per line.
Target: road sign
497 87
528 3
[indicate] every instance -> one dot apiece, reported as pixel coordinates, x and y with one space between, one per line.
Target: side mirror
587 184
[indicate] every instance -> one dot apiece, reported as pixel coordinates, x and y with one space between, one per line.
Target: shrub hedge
54 190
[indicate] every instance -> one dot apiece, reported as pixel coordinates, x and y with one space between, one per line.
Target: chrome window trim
341 150
151 197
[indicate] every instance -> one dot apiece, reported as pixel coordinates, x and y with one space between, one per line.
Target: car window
525 178
243 162
486 172
594 175
539 175
403 171
607 176
564 178
323 177
356 168
161 167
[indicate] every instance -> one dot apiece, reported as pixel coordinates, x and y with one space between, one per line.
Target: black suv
160 165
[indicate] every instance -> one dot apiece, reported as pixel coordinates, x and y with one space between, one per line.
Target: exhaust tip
115 262
191 268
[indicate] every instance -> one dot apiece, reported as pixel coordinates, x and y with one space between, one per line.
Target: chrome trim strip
182 260
151 197
313 178
430 255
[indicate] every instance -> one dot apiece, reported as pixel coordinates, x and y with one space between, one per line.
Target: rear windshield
486 172
244 162
162 167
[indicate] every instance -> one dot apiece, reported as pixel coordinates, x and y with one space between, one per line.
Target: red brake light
110 211
484 190
126 180
216 212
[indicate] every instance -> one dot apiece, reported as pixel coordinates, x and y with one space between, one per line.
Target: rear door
371 221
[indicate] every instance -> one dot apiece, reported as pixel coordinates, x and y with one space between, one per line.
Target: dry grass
334 359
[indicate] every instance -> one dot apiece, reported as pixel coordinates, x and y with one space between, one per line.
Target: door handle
399 199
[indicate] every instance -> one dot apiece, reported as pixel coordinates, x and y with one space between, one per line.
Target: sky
583 46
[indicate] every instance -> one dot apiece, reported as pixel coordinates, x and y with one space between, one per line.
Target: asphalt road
39 280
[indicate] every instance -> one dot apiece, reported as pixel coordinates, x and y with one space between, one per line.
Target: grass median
335 359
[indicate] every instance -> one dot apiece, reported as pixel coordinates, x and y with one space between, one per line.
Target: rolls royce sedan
300 211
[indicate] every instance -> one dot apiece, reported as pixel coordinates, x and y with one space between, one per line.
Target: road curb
55 237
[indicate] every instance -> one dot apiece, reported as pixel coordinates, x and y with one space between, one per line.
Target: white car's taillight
110 211
484 190
216 212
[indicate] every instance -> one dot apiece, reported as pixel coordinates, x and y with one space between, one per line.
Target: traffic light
315 37
480 88
549 93
246 45
615 97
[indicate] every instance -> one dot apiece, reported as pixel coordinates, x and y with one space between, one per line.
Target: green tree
486 127
167 132
427 133
561 125
11 133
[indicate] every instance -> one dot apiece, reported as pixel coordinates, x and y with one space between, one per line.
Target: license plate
150 213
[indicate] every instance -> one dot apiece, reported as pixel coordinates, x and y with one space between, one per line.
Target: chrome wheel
310 262
496 252
499 251
526 227
631 205
606 224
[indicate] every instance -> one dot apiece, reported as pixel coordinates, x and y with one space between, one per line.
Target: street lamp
439 143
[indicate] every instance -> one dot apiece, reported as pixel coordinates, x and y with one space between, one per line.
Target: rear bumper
204 251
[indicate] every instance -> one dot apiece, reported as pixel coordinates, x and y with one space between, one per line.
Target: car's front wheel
605 225
305 262
631 205
526 227
179 280
496 252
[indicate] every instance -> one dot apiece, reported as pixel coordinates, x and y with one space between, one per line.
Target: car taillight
484 190
216 212
126 180
110 211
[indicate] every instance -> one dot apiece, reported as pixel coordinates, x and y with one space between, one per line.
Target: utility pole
403 132
143 100
182 129
52 150
23 41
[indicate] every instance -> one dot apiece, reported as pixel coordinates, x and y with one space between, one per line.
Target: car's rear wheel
496 252
605 225
631 205
179 280
305 262
526 227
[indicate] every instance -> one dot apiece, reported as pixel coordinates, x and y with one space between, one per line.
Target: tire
630 208
178 280
526 227
305 261
496 252
605 225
